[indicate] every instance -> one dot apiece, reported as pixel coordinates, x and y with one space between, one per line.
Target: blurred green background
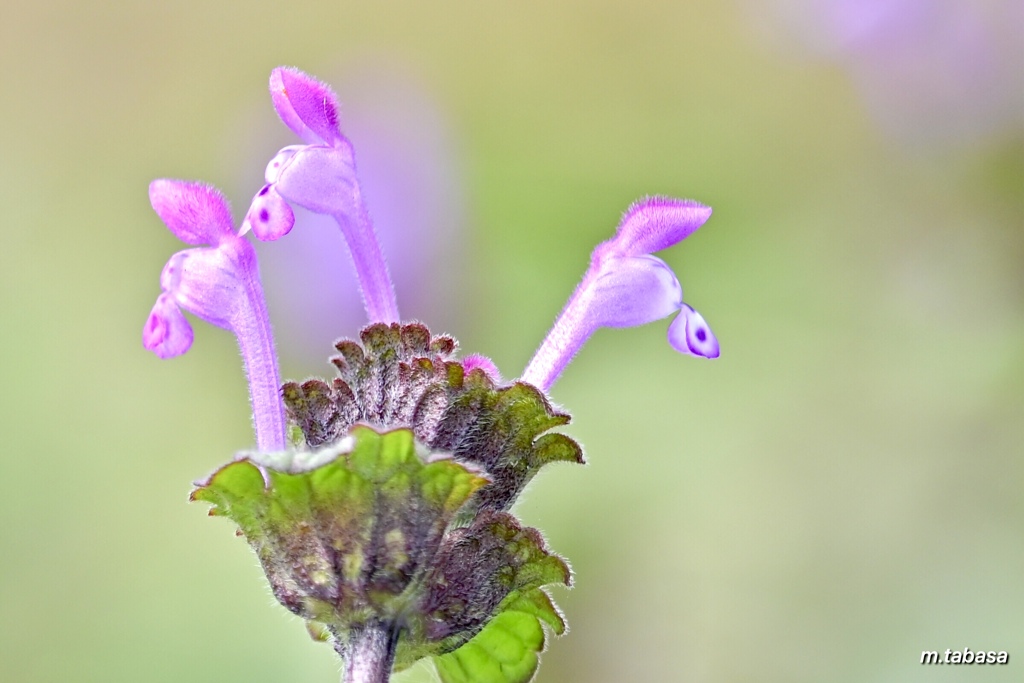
836 493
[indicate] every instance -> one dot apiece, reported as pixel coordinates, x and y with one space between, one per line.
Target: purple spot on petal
153 326
702 335
264 215
266 189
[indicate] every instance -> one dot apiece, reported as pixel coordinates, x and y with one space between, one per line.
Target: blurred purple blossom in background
409 174
930 72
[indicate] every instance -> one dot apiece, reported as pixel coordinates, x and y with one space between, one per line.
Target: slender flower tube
320 176
625 286
220 284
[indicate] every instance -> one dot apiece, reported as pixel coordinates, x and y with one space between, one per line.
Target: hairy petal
653 224
195 212
690 334
305 105
632 291
167 332
269 215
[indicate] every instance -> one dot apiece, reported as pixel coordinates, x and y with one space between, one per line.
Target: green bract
367 524
505 651
401 376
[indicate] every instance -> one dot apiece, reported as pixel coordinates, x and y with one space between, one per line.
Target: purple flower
625 286
411 181
320 176
220 284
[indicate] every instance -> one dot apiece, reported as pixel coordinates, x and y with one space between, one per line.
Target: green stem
369 654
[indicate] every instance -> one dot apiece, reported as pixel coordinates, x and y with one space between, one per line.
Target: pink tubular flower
625 286
411 179
320 176
220 284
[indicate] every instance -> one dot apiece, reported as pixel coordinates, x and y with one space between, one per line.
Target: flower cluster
378 502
